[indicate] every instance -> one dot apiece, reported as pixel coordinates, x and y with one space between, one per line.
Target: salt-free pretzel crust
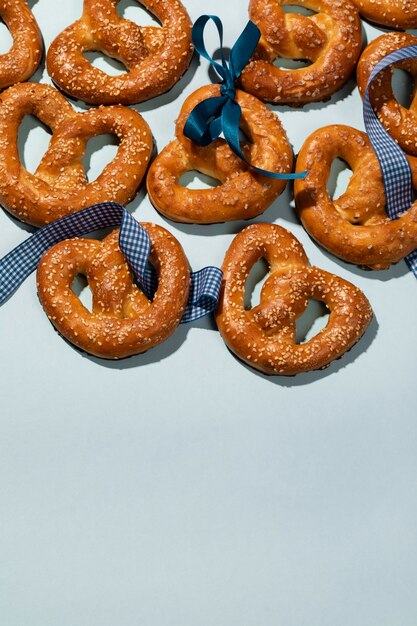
155 58
264 336
243 193
123 322
330 39
59 186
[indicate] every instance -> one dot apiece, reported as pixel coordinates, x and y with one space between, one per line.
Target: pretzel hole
291 64
403 87
105 63
288 63
339 177
257 276
197 180
6 40
311 322
33 139
135 12
100 151
295 8
82 290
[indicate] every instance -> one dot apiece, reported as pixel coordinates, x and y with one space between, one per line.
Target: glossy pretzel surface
330 40
60 186
242 193
155 57
24 56
123 322
400 122
355 227
390 13
264 336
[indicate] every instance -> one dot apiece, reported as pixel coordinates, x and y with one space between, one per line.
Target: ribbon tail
244 48
411 261
204 293
231 116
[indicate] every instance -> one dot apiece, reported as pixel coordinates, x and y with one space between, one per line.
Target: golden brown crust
264 336
155 58
389 13
19 63
123 322
400 123
59 186
355 227
243 193
331 39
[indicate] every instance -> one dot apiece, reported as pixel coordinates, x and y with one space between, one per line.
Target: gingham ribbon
396 171
134 242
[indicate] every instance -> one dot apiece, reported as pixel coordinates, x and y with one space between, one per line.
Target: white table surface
180 487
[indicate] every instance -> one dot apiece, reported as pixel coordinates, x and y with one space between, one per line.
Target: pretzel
330 39
156 58
398 121
264 336
59 185
26 52
389 13
123 322
243 193
355 227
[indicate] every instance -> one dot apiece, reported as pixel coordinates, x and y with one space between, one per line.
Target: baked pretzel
59 185
400 123
243 193
355 227
123 322
331 39
389 13
156 58
264 336
26 52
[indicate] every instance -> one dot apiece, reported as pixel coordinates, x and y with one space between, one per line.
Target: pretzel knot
389 13
243 193
398 121
155 57
59 186
26 52
264 336
123 322
330 40
355 227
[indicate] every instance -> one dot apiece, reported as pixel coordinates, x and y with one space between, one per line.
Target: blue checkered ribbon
134 242
396 171
222 114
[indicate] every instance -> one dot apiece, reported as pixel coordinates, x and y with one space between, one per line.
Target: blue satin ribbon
222 114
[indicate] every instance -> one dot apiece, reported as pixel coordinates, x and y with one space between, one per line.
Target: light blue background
180 488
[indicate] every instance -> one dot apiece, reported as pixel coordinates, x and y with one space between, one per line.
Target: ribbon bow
395 168
222 114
